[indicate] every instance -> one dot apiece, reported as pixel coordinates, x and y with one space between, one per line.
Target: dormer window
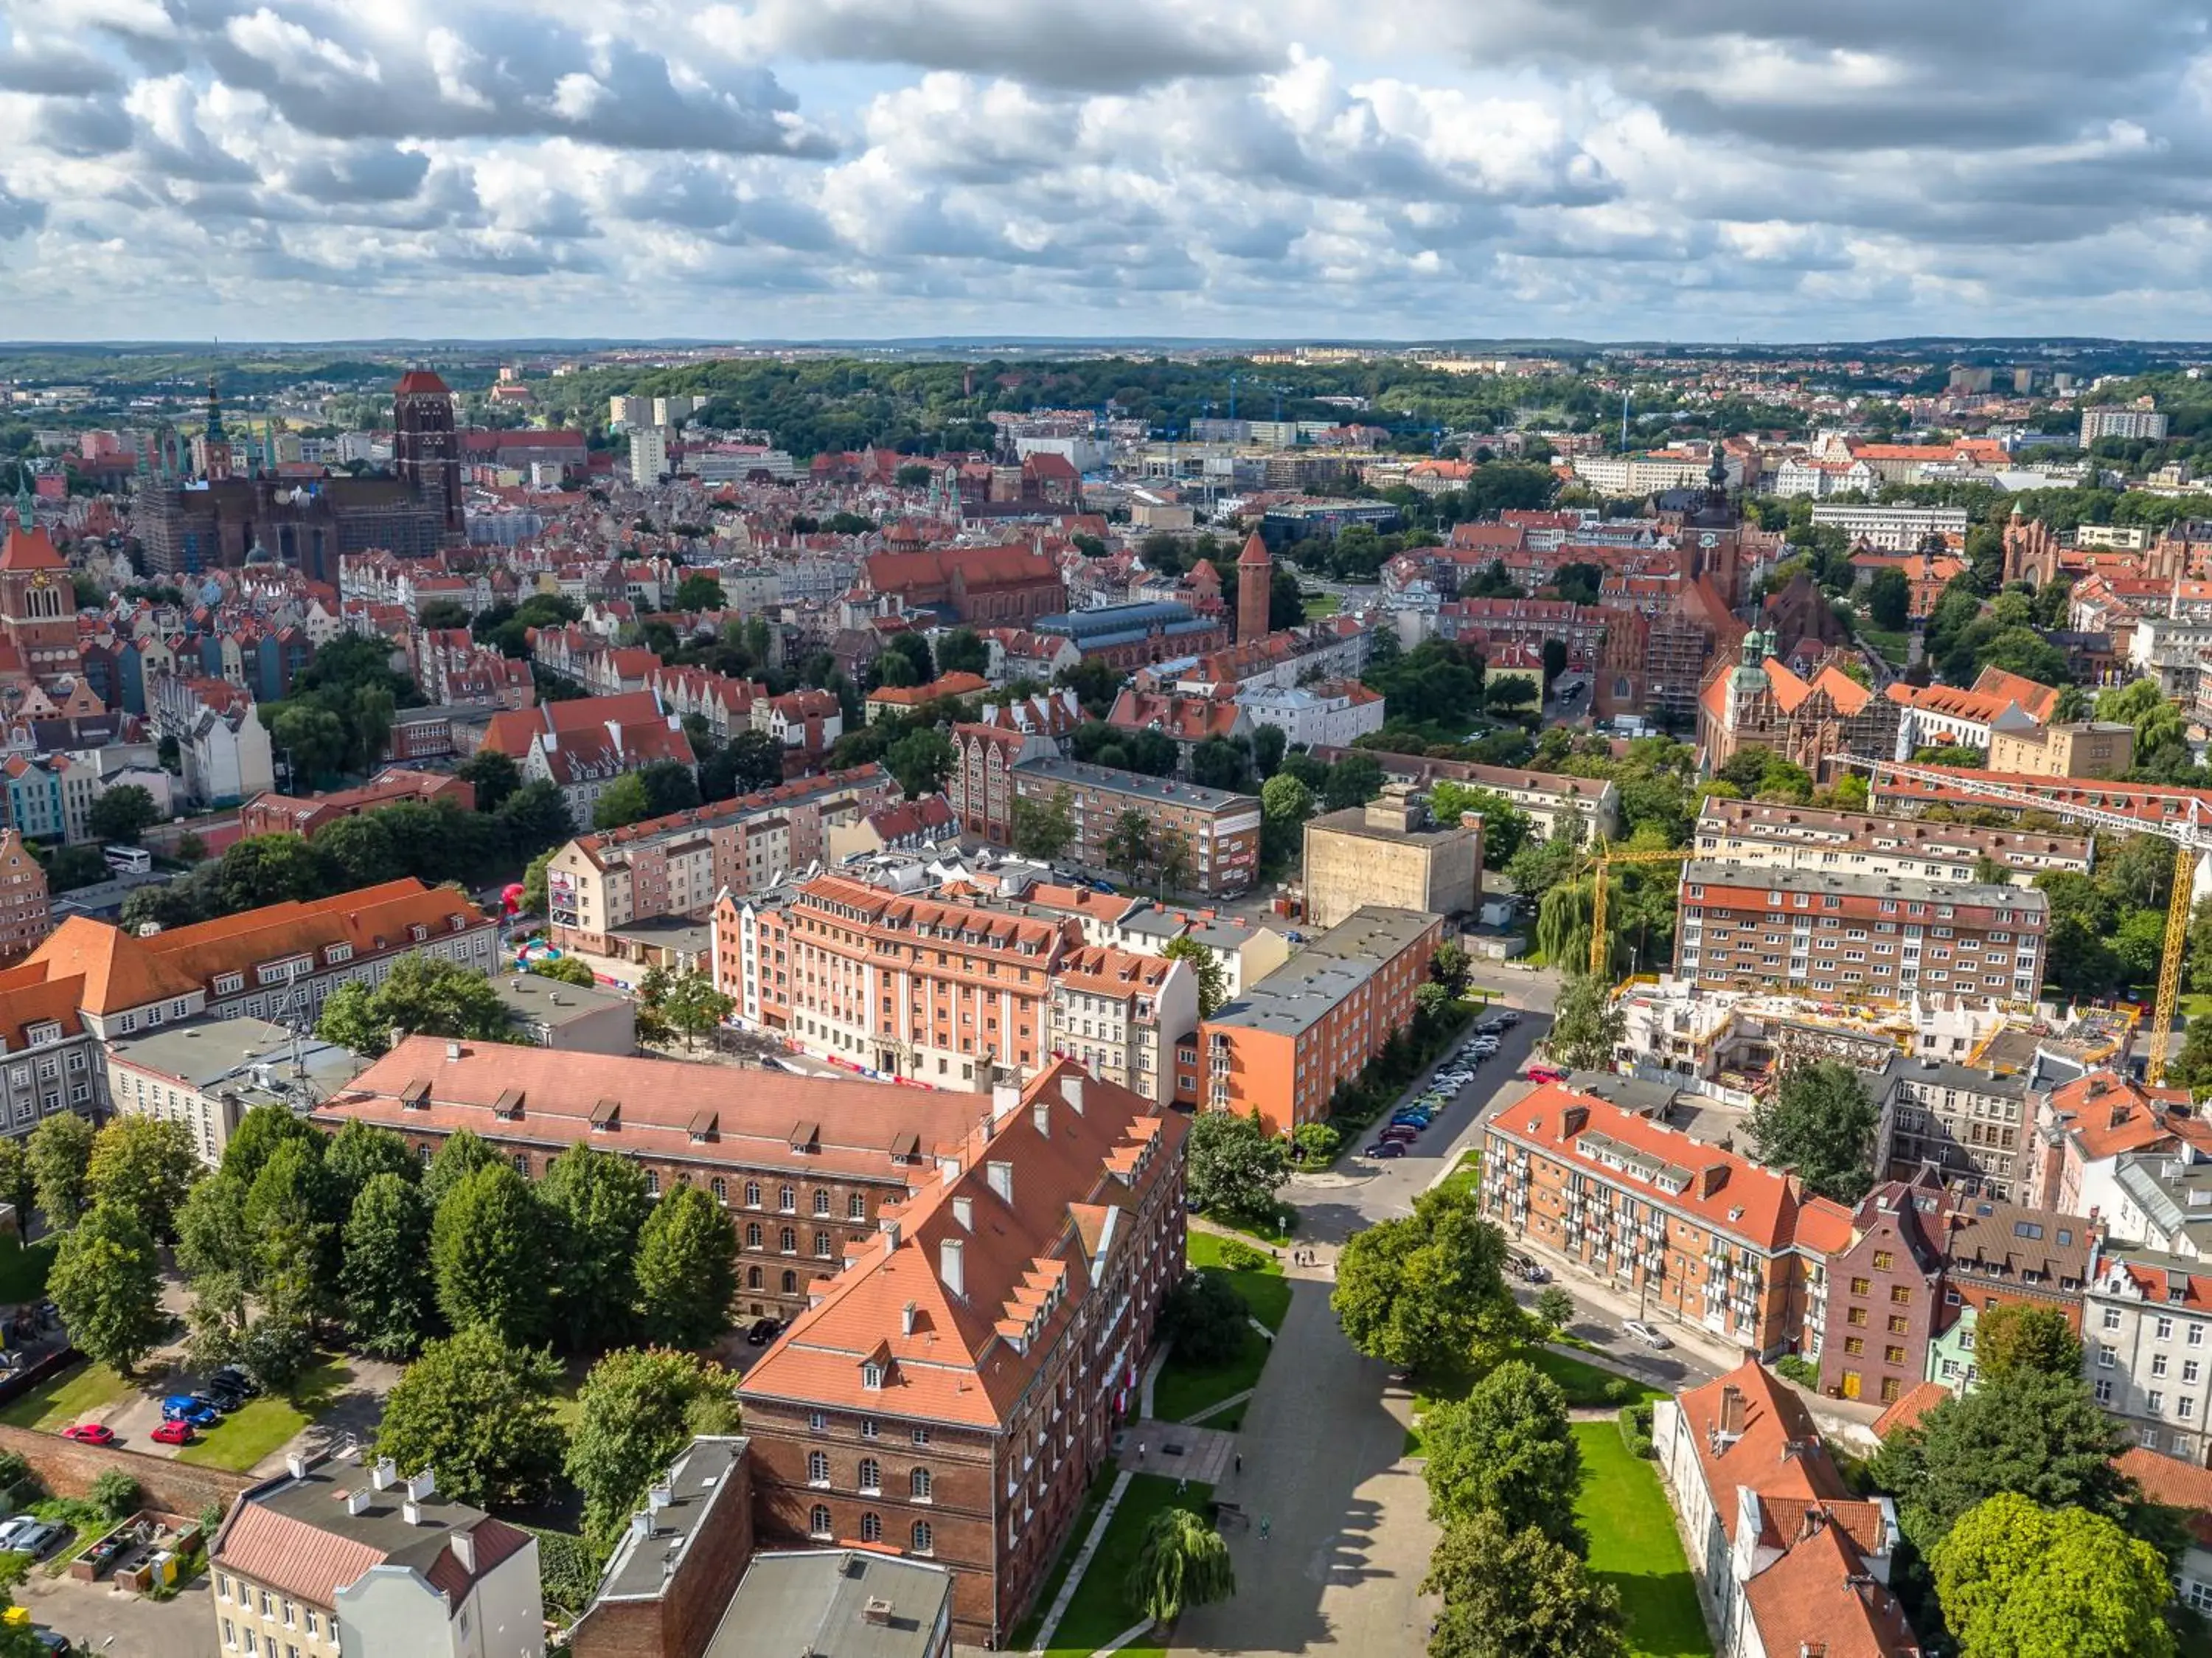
229 983
871 1375
418 932
335 953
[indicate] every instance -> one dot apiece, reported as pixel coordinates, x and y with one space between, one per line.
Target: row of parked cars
1408 1121
182 1414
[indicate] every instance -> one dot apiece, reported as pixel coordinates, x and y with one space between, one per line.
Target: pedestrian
1140 1450
1264 1527
1240 1462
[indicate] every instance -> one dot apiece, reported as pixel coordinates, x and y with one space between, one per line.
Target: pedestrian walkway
1058 1610
1178 1450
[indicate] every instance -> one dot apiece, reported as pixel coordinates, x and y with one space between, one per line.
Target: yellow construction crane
1604 859
2192 842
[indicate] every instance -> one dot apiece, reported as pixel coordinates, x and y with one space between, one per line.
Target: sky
1688 169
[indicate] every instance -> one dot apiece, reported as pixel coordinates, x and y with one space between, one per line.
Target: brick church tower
38 605
1255 581
426 451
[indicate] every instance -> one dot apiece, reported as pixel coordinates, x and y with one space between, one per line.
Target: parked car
224 1398
1401 1134
90 1433
763 1330
1527 1268
235 1380
198 1412
12 1528
38 1539
1412 1118
1650 1335
1546 1074
1386 1148
1509 1018
52 1643
174 1433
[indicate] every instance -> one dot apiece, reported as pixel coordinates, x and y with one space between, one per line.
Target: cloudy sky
794 169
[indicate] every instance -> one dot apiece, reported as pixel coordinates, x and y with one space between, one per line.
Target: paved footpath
1350 1536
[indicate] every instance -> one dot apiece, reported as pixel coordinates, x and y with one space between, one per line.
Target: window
268 1605
921 1537
752 1194
2158 1364
314 1624
2198 1595
872 1529
1883 1259
2112 1318
222 1587
653 1183
1893 1356
2163 1330
787 1241
2154 1401
1857 1315
720 1188
290 1621
872 1476
791 1283
2104 1390
919 1480
1855 1345
1900 1326
229 1633
753 1235
817 1524
822 1245
821 1202
2196 1335
818 1468
921 1436
1900 1295
817 1423
786 1198
856 1207
752 1277
871 1375
2104 1359
1862 1286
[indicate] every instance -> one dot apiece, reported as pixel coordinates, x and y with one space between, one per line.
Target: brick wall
680 1622
67 1469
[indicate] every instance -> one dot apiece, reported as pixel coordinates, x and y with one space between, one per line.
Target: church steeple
27 510
215 432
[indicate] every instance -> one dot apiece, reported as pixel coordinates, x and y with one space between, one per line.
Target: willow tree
1182 1562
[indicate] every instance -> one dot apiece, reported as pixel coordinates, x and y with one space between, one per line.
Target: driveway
106 1621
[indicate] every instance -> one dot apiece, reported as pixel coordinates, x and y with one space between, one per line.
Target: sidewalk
1694 1339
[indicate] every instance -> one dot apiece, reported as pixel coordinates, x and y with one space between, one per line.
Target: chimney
906 1319
1573 1120
1041 1114
395 1036
384 1474
411 1512
877 1611
950 1268
1001 1177
1711 1178
1071 1089
641 1525
356 1502
464 1546
659 1497
296 1465
424 1485
1005 1098
1732 1409
453 1050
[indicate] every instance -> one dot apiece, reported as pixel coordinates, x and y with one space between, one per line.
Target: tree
1820 1121
423 995
687 1270
480 1412
489 1250
1506 1447
1128 845
1506 826
534 896
700 590
566 969
1205 1319
2014 1336
534 818
291 1218
1231 1165
669 787
1205 966
602 1204
635 1412
361 847
360 1151
2019 1581
1555 1309
121 815
2038 1435
1587 1025
60 1150
461 1155
1428 1289
1043 828
493 775
1268 742
1181 1561
146 1164
1217 763
693 1006
313 740
1889 598
390 1305
106 1280
962 651
623 802
17 1188
1449 967
1286 803
1352 781
921 760
1517 1595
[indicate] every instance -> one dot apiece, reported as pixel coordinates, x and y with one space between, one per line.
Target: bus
128 860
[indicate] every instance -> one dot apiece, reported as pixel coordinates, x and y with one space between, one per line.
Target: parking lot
101 1618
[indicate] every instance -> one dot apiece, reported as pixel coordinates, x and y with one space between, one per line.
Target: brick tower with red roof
1256 579
426 450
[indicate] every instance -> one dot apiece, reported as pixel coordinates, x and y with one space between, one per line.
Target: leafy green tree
313 740
567 969
1286 803
1205 966
1352 781
687 1270
60 1150
1507 1447
1587 1025
106 1280
2019 1581
146 1164
693 1006
490 1249
1043 828
2040 1436
535 818
1429 1288
2015 1336
423 995
17 1186
921 759
291 1215
962 651
1232 1166
1517 1595
1555 1309
1205 1319
1218 763
492 776
1181 1561
360 1151
623 802
700 590
459 1155
391 1304
1820 1121
669 787
480 1412
635 1411
1889 598
121 815
602 1204
362 848
1128 845
1506 826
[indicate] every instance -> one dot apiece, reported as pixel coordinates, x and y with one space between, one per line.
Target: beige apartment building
1121 1016
2087 748
1768 835
1389 853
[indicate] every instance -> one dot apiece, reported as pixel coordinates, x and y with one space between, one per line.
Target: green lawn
23 1269
1321 605
1099 1610
1462 1178
1633 1547
75 1394
1893 647
1275 1230
2195 1004
1184 1389
1583 1383
264 1424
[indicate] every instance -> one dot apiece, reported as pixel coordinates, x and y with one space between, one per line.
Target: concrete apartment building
2085 749
1699 1236
2122 420
343 1557
807 1165
1890 529
1218 831
1123 1017
1881 938
26 913
2146 1346
951 1394
1976 1128
1388 852
1553 799
598 885
1283 1044
209 1074
1766 835
1244 951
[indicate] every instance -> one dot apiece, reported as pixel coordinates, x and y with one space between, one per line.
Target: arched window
752 1277
822 1244
753 1235
521 1162
818 1525
872 1529
791 1283
922 1541
818 1468
752 1194
920 1481
872 1475
856 1207
720 1188
653 1182
786 1198
790 1241
821 1202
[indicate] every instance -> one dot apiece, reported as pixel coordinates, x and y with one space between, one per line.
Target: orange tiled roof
1917 1402
1819 1597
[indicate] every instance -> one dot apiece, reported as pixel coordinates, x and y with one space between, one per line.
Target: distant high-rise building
648 454
2122 420
425 450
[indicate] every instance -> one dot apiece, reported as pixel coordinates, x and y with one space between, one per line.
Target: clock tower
38 606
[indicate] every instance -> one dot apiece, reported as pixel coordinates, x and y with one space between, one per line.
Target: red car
1546 1074
174 1433
90 1433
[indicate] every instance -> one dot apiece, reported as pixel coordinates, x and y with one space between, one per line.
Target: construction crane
2192 845
1605 858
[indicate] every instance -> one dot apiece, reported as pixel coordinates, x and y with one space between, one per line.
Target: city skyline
1687 170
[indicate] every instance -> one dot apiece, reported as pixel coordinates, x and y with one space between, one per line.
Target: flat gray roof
642 1566
219 1051
1725 873
834 1603
1135 782
1329 969
1944 1073
550 1001
1353 821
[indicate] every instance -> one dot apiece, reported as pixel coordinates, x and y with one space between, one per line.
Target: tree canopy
1820 1121
2017 1580
1507 1448
1428 1289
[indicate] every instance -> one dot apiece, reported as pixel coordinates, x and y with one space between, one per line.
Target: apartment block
950 1396
209 1074
1698 1234
1389 852
2146 1346
2085 748
1219 831
1122 1016
1975 1128
1586 807
1284 1045
1881 938
1766 835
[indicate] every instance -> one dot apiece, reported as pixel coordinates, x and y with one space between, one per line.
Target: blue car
1417 1119
182 1407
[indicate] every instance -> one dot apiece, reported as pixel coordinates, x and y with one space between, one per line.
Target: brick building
1880 937
272 815
805 1165
676 1564
953 1393
1009 586
26 914
1698 1234
1218 831
1283 1044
